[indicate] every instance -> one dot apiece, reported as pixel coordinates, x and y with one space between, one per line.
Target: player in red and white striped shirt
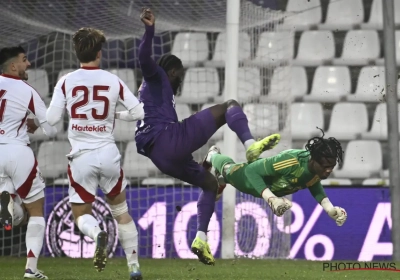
91 96
20 177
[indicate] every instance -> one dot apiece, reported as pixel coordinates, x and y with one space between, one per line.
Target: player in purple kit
170 143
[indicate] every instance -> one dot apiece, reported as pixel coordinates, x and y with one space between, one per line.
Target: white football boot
29 274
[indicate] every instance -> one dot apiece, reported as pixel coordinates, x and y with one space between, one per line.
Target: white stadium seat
330 84
336 182
191 48
338 18
376 15
183 111
348 121
200 85
248 84
315 48
305 117
370 85
127 76
361 47
302 14
362 159
136 165
263 118
379 129
52 160
37 78
274 48
124 131
375 182
64 72
218 59
278 88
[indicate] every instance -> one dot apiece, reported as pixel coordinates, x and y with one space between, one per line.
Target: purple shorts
172 150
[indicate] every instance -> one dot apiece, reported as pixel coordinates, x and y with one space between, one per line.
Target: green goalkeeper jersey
283 174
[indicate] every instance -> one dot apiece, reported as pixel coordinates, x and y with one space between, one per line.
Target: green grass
176 269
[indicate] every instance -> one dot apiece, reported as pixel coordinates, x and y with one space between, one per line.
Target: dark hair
169 61
8 53
319 148
88 42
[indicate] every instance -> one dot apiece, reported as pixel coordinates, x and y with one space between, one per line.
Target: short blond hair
87 43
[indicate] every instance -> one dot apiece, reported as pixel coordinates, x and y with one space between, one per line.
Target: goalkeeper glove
335 212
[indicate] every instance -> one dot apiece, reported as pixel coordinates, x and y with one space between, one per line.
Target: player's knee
120 213
232 103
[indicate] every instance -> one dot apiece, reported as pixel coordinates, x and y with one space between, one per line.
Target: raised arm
147 64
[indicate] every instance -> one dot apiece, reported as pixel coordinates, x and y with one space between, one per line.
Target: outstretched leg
232 114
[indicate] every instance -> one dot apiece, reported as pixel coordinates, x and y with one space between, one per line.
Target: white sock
128 237
34 241
248 143
202 235
88 225
267 194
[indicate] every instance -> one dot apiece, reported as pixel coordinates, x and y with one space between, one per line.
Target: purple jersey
156 94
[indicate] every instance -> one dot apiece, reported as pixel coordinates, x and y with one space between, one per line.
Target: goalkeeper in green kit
274 177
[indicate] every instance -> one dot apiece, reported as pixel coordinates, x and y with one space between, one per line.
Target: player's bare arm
31 126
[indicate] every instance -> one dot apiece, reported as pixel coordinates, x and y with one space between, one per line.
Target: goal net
164 209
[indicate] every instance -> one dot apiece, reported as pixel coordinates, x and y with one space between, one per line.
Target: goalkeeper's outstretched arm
335 212
147 64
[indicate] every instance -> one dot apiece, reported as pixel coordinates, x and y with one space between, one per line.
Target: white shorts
93 168
19 172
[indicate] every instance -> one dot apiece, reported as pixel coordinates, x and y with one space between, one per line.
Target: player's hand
31 126
147 17
339 215
279 205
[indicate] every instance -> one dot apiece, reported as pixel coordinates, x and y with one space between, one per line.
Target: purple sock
205 209
238 123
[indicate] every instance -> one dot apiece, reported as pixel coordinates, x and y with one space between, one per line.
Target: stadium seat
38 79
136 165
191 48
218 59
279 89
305 117
376 15
379 129
362 159
330 84
64 72
200 85
220 132
375 182
52 160
124 131
248 85
183 111
348 121
127 76
361 47
315 48
338 18
370 85
274 48
336 182
263 118
381 61
154 181
302 14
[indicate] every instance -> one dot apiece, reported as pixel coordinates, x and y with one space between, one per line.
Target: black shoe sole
5 215
100 255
